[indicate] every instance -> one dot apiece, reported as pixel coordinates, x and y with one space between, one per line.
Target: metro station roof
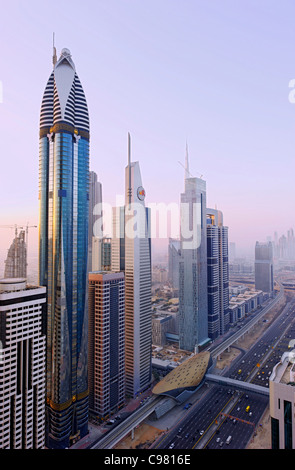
185 376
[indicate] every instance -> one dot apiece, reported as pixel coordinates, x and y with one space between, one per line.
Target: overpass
237 384
128 425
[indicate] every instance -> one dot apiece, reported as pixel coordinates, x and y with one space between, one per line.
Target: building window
275 435
288 424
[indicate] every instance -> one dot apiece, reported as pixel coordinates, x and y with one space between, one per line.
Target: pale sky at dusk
214 73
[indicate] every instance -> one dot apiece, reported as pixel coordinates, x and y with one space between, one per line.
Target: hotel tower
63 246
131 253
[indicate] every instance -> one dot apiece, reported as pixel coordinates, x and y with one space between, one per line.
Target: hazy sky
214 73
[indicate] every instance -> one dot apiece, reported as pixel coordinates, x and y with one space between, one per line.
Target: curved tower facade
63 246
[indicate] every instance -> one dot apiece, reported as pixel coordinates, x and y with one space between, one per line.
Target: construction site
16 260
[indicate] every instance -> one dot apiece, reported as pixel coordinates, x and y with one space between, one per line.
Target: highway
222 411
249 323
208 422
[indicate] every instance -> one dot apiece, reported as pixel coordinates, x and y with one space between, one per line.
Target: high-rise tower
193 298
95 202
131 252
106 342
63 246
218 274
22 365
264 267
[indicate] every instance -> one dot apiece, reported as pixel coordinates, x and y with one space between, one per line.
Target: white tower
133 255
22 365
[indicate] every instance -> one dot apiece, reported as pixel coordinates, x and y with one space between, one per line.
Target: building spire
187 173
129 169
54 57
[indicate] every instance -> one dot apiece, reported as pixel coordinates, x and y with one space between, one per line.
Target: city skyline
100 332
213 76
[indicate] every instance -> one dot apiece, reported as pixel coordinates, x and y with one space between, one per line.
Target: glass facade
264 267
63 247
193 296
288 424
218 274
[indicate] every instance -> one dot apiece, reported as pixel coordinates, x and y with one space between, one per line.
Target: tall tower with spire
193 300
131 252
63 245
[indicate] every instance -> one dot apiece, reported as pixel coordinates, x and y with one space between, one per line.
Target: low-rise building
243 304
161 325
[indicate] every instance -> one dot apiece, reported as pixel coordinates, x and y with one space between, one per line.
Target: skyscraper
131 252
63 249
218 274
95 201
22 365
173 262
264 267
106 342
193 297
232 251
101 254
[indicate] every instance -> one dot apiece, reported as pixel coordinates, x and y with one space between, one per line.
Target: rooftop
189 374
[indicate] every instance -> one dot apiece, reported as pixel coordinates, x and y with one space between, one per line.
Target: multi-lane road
224 412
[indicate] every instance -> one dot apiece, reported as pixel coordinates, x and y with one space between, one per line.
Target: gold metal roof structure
188 374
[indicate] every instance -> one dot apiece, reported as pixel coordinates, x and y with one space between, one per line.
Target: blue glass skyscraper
193 297
63 245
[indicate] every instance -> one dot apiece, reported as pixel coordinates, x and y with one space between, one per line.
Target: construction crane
16 227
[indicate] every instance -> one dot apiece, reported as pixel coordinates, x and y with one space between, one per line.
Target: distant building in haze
232 251
16 261
264 267
284 246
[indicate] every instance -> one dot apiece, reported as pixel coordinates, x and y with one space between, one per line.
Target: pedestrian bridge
237 384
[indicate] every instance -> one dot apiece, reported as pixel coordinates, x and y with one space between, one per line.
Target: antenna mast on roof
187 172
54 57
129 169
